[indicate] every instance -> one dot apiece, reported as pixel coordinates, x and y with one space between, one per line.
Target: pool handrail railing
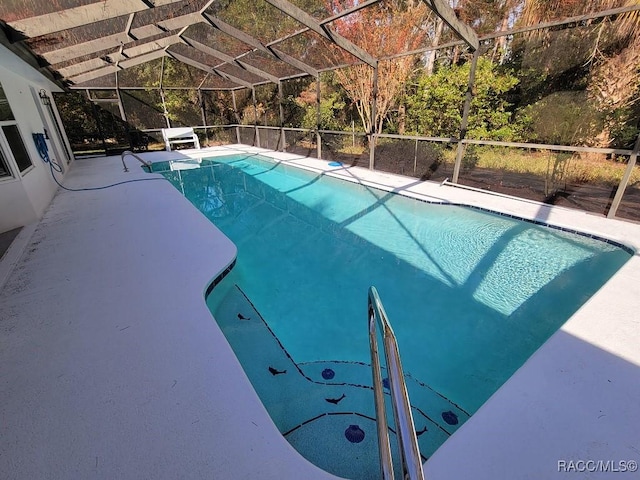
405 429
129 152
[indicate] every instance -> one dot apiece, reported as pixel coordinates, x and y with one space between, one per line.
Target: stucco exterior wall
25 197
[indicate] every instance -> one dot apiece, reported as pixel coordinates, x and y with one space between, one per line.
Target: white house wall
16 209
24 198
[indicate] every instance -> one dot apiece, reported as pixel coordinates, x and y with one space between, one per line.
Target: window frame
7 161
7 151
6 144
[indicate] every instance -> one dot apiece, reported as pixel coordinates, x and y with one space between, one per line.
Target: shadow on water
318 269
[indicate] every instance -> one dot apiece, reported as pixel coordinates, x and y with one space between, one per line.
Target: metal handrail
129 152
406 433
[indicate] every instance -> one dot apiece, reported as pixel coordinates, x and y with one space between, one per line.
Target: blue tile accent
450 417
354 434
328 374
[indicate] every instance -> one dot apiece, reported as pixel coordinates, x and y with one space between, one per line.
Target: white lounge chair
172 136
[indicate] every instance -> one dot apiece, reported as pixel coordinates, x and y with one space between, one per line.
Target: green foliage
183 107
625 128
77 115
470 158
219 107
564 118
90 126
435 107
333 106
294 110
268 104
259 19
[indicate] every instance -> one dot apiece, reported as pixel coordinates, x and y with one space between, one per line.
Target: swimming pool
471 296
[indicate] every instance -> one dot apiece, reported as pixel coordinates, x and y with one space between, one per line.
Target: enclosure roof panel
88 13
13 10
146 74
216 82
315 50
255 41
269 65
211 36
179 74
105 81
257 18
77 36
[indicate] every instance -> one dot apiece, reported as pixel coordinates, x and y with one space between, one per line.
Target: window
13 139
5 109
4 167
16 144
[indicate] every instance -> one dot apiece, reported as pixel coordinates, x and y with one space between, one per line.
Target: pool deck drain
112 367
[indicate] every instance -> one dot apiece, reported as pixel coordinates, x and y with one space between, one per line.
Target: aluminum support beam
208 69
85 77
516 31
448 15
256 71
127 28
258 45
255 116
465 116
565 21
82 15
75 51
120 38
165 112
234 32
282 141
189 61
232 78
318 117
333 18
229 59
83 67
130 62
146 48
123 113
294 62
118 57
307 20
633 158
235 113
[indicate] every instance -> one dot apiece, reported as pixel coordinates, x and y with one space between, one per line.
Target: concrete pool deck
113 367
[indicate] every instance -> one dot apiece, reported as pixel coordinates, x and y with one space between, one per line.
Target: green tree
598 58
435 106
332 105
383 29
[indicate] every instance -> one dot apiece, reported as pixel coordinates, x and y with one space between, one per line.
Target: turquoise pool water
470 294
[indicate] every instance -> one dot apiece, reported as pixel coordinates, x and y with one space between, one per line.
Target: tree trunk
500 47
430 61
456 55
402 118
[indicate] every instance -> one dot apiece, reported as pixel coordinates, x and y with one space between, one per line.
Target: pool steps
304 384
